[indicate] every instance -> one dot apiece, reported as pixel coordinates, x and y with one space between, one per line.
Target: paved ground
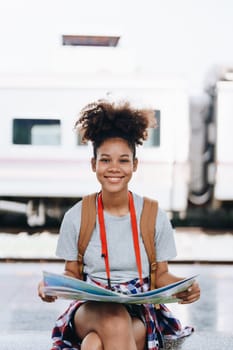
25 321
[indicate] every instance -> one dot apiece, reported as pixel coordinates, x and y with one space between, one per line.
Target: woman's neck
116 203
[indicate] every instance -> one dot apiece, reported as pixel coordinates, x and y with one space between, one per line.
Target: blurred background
172 56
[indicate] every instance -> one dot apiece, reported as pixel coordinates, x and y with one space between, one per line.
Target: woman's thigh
96 316
94 342
109 319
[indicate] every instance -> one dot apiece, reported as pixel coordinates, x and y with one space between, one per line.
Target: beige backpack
147 227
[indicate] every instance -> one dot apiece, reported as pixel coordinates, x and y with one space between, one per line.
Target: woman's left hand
190 295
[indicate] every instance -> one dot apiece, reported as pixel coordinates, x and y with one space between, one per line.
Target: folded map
71 288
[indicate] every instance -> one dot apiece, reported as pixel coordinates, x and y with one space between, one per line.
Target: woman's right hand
41 294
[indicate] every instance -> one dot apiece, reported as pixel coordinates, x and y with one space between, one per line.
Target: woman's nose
114 166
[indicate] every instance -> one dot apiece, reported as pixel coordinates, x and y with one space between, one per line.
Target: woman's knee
139 331
92 341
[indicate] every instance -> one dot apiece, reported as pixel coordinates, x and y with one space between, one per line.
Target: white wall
181 37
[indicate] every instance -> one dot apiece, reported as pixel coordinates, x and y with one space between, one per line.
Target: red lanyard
103 238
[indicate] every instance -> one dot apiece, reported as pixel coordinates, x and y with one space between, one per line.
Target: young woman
115 131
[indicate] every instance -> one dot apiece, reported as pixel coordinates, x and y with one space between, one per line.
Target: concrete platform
26 322
193 244
25 341
203 341
41 341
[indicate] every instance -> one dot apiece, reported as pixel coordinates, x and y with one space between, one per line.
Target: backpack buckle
153 266
80 258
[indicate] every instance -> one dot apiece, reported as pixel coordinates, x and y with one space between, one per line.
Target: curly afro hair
102 120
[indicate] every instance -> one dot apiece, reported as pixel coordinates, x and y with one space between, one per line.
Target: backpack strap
88 220
147 228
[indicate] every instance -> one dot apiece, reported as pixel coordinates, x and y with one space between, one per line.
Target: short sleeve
68 235
165 242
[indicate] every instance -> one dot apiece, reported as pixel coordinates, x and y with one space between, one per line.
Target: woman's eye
104 160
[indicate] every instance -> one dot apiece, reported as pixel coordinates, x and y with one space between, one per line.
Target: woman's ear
135 164
93 164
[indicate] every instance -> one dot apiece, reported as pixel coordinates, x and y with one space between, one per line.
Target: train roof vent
90 40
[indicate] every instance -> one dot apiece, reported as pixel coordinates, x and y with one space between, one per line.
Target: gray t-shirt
120 244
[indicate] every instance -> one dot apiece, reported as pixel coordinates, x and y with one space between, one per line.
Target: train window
36 131
154 134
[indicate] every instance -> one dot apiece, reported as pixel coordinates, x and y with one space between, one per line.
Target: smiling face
114 165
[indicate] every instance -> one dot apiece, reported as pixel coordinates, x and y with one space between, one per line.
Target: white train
44 168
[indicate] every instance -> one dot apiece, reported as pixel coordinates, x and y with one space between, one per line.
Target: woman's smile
114 179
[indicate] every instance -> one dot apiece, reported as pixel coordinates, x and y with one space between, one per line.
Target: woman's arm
164 277
71 269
